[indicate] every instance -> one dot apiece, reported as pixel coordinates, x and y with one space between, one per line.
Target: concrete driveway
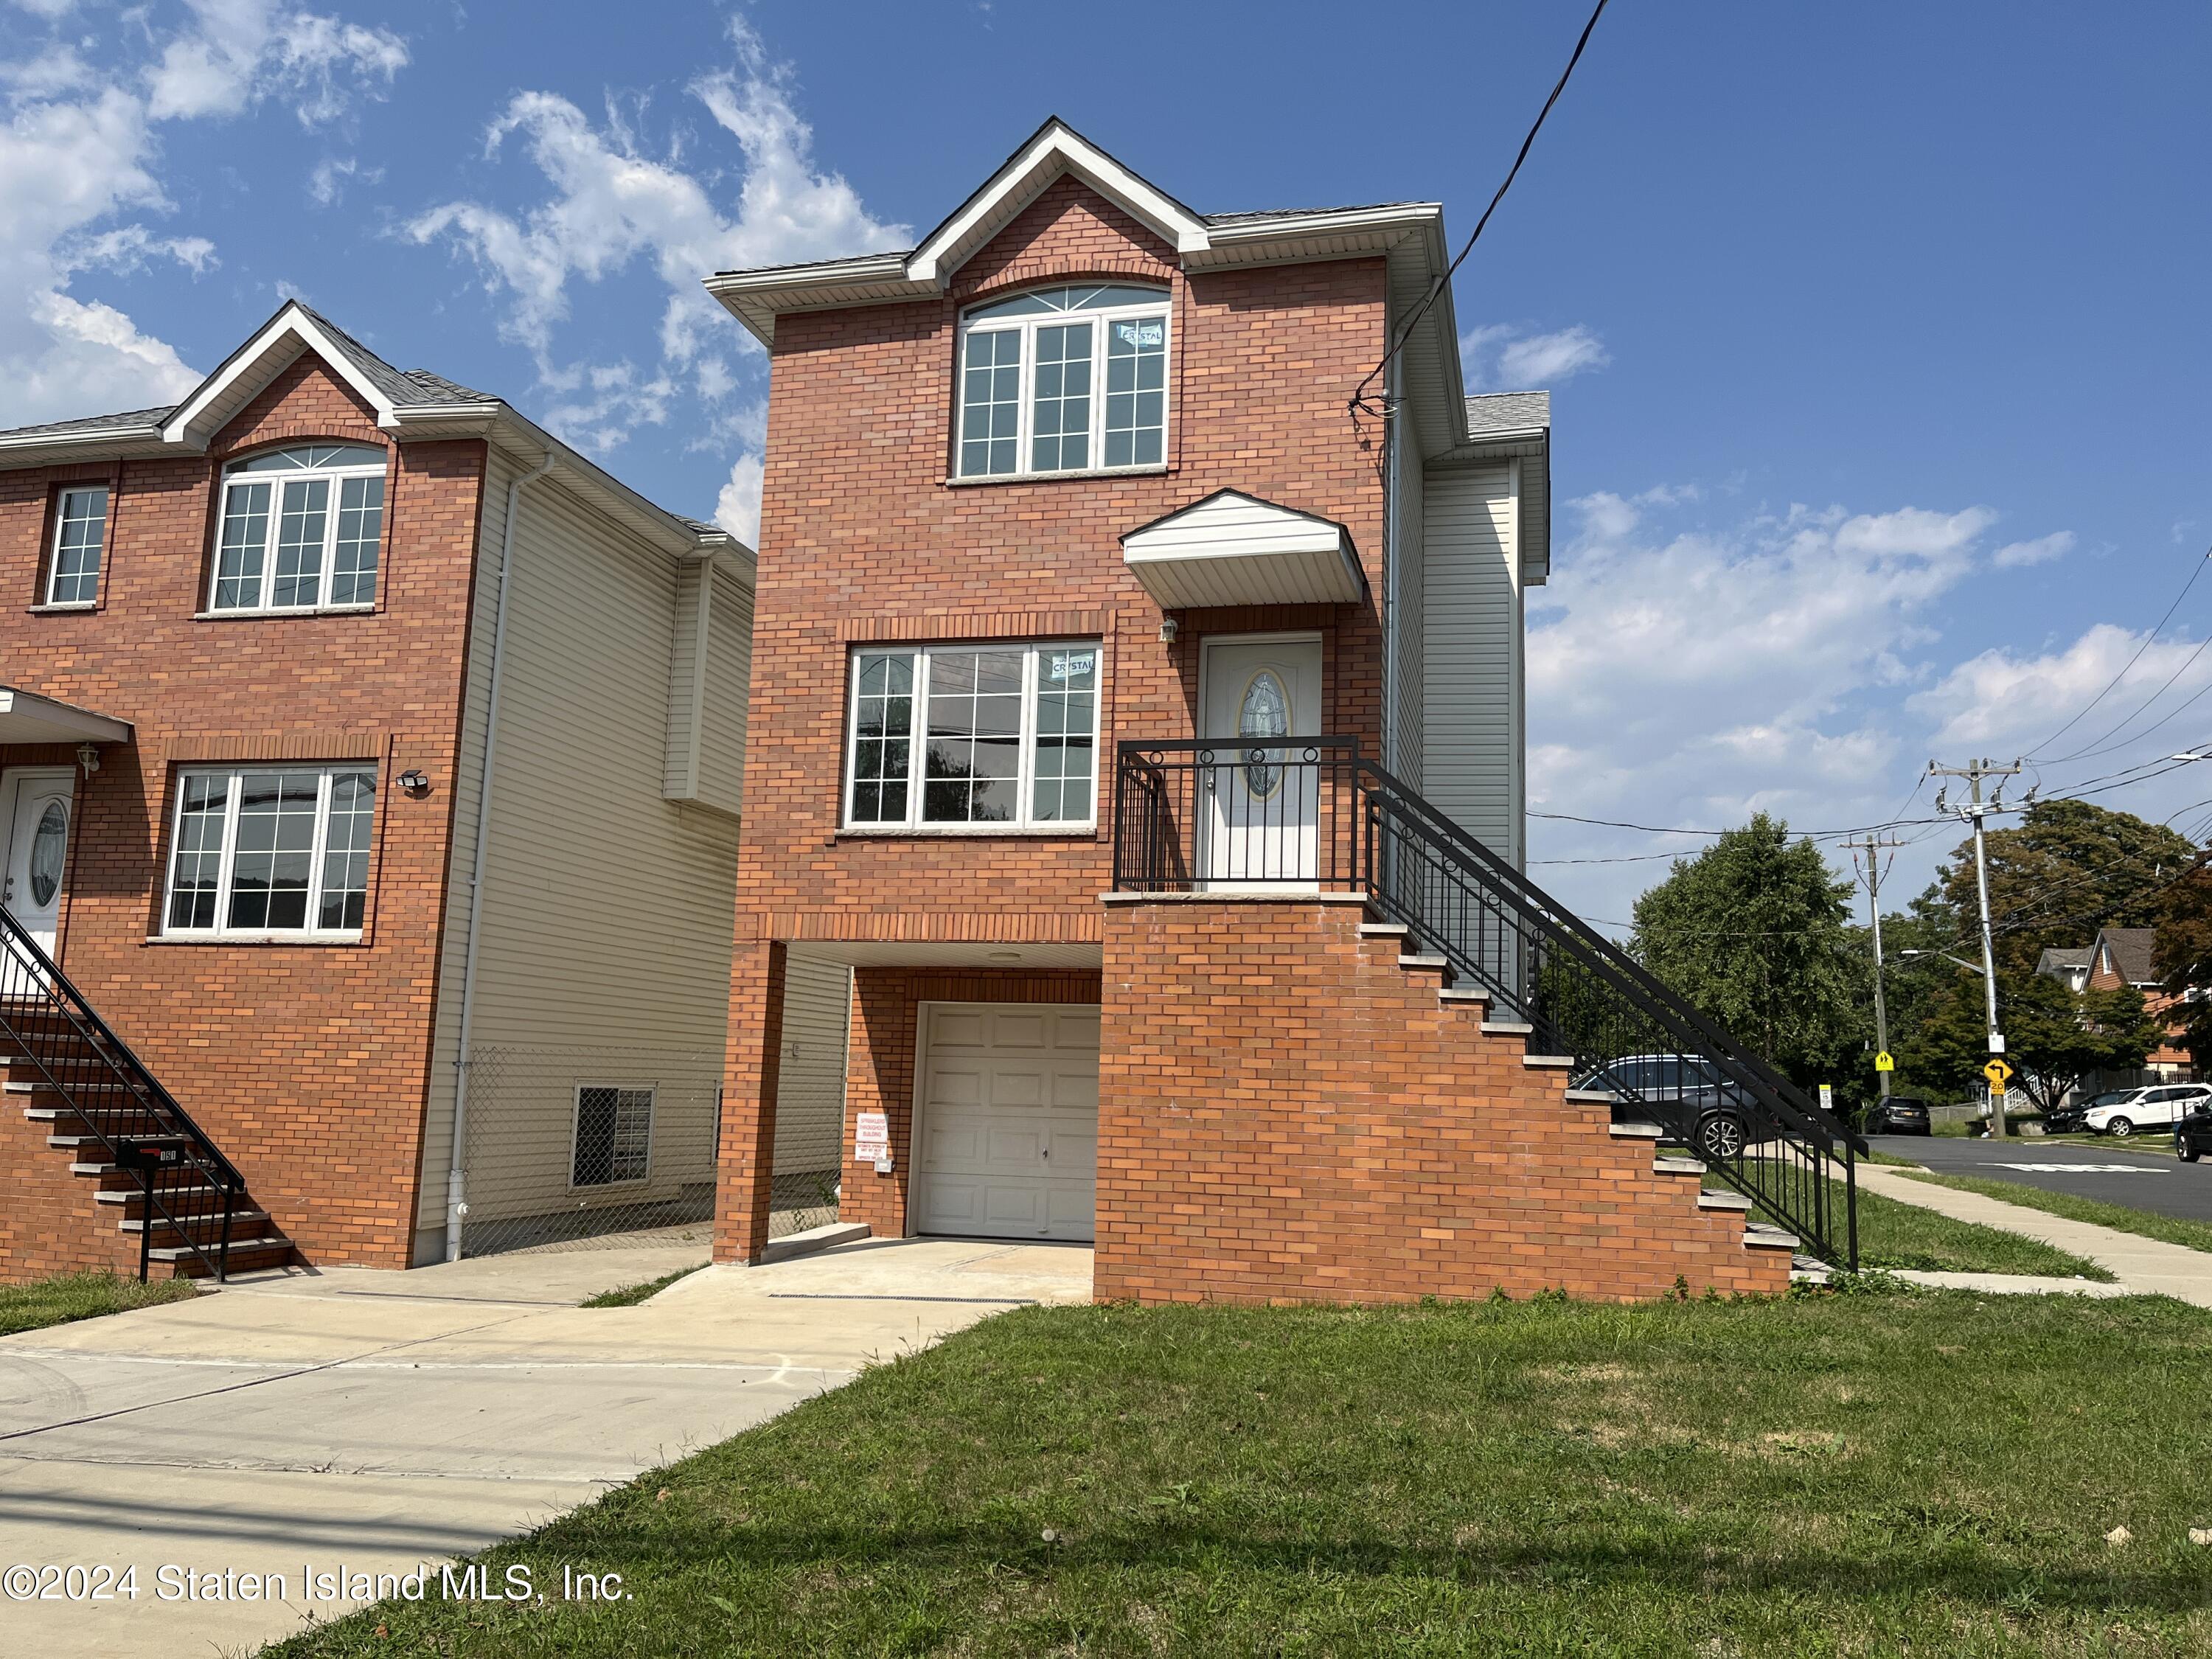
376 1421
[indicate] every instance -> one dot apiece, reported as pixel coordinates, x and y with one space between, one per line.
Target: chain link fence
596 1148
566 1148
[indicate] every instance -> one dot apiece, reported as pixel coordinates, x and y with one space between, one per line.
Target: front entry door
38 804
1263 815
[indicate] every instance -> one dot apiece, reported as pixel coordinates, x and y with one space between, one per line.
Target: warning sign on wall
872 1136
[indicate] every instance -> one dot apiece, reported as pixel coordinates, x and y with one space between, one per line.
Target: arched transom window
1065 379
300 529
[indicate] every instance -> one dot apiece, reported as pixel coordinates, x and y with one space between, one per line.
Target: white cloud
617 203
2015 555
1500 357
1692 676
77 158
737 509
241 51
2003 702
326 184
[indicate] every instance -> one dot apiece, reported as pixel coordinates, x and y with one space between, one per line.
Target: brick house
262 654
1133 652
2118 957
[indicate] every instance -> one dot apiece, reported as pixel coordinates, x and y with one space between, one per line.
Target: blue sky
1876 333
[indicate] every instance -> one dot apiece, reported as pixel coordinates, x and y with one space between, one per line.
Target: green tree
1754 932
2053 1036
2182 956
2066 869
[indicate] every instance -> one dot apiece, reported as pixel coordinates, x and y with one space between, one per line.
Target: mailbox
147 1159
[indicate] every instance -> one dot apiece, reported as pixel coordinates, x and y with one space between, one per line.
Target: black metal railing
1315 813
104 1099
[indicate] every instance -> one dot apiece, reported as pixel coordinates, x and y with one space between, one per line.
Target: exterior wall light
87 756
1169 628
415 783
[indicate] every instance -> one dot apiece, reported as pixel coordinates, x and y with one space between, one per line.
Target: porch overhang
27 717
1231 549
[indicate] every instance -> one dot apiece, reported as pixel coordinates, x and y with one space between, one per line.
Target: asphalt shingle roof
1508 411
2131 950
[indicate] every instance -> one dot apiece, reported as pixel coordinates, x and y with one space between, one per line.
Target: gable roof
2058 959
2128 951
1408 235
410 403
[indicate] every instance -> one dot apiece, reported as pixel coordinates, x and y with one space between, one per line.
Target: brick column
746 1158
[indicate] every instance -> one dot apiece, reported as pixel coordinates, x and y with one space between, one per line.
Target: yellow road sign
1882 1062
1998 1073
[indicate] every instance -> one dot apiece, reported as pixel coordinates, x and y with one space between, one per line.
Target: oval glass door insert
48 845
1264 712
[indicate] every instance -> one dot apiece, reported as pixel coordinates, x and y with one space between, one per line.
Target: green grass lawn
630 1295
2148 1223
1869 1475
82 1296
1905 1237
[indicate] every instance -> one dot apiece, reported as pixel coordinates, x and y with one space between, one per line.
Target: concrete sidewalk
2144 1266
375 1421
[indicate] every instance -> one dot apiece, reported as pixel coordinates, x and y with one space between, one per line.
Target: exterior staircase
179 1207
1669 1164
1332 822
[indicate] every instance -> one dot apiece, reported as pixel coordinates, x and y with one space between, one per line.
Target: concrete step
1710 1200
1552 1062
1678 1166
1593 1096
1384 930
1423 961
245 1253
1638 1132
198 1225
1759 1236
1468 994
66 1142
1506 1028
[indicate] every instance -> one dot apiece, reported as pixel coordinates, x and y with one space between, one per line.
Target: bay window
972 737
270 850
301 529
1064 380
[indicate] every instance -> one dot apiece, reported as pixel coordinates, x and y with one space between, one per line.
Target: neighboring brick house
1085 468
2118 957
249 673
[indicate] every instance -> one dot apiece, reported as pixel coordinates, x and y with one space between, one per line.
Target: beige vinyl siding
708 680
607 910
810 1095
1409 605
444 1046
728 684
1472 715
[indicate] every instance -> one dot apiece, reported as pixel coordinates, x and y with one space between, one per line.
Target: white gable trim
1056 150
197 420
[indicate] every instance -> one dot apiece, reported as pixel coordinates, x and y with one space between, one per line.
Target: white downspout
457 1208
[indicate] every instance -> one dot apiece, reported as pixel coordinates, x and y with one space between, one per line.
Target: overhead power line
2196 571
1358 402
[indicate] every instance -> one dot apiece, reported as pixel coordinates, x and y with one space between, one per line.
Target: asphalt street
2141 1172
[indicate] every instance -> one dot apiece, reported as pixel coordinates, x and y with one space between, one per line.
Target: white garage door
1009 1121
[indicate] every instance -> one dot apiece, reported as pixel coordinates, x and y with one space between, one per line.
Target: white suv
2159 1107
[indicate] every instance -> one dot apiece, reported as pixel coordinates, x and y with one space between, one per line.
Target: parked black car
1899 1114
2192 1136
1679 1090
2068 1119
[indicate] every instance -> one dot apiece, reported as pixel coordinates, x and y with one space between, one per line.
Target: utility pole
1975 809
1872 847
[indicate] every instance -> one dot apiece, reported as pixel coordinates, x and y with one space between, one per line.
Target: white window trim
236 474
1025 778
652 1092
54 552
1027 326
219 933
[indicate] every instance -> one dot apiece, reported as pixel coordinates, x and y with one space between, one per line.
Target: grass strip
2121 1218
1879 1473
630 1295
71 1297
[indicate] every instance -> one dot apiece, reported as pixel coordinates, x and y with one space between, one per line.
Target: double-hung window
972 737
614 1135
301 529
80 535
270 850
1065 379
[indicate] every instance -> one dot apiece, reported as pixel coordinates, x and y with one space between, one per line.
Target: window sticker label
1141 334
1071 664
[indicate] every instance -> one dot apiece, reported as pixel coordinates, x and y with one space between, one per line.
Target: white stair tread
1678 1166
1723 1202
1638 1131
